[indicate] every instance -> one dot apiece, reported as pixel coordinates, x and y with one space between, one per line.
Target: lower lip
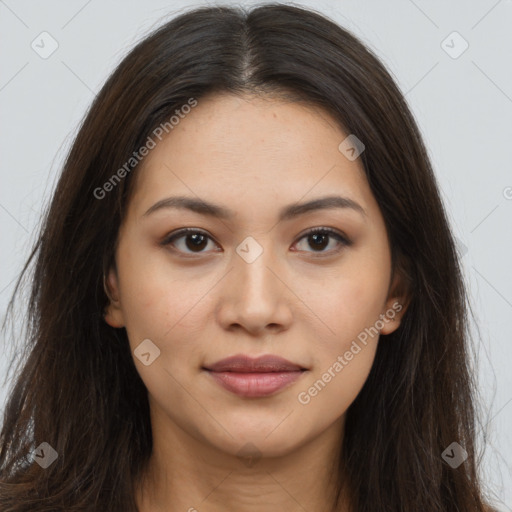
253 385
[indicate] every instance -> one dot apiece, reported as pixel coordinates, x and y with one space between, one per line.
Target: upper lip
246 364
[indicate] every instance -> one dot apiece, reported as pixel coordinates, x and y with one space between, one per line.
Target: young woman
245 294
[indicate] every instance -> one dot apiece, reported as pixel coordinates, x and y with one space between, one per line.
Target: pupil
322 237
198 239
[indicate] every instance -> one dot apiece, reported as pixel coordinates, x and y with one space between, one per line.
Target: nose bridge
253 261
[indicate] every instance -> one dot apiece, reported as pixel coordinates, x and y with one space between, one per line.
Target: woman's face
253 282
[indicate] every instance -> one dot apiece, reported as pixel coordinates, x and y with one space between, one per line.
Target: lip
242 363
254 377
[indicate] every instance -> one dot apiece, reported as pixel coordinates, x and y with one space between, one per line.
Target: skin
253 155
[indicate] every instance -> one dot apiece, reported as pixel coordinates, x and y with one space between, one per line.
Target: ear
113 314
396 304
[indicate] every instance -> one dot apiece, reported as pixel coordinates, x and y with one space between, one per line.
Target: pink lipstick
254 378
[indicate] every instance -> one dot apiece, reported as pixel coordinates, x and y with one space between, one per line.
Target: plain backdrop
451 60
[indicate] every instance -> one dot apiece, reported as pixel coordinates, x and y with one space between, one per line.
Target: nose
255 297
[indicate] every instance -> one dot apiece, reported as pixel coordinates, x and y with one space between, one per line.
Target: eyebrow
288 212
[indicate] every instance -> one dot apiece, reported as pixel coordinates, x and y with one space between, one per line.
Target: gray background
463 106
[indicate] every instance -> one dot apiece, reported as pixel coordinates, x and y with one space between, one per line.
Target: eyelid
171 237
183 231
342 238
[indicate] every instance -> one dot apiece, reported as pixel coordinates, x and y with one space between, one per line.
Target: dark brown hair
77 387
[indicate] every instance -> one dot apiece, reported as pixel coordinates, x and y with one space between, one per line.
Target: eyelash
343 240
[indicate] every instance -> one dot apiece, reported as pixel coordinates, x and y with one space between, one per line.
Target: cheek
168 312
349 308
329 393
344 355
348 304
168 306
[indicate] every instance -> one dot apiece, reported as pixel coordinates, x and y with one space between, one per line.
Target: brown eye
319 239
188 241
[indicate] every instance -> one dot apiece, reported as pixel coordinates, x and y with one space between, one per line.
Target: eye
192 240
318 239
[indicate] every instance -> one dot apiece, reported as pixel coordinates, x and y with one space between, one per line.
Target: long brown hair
77 387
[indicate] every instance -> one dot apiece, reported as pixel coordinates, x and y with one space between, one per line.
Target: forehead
250 151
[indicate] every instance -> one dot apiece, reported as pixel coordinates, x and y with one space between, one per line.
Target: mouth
254 378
